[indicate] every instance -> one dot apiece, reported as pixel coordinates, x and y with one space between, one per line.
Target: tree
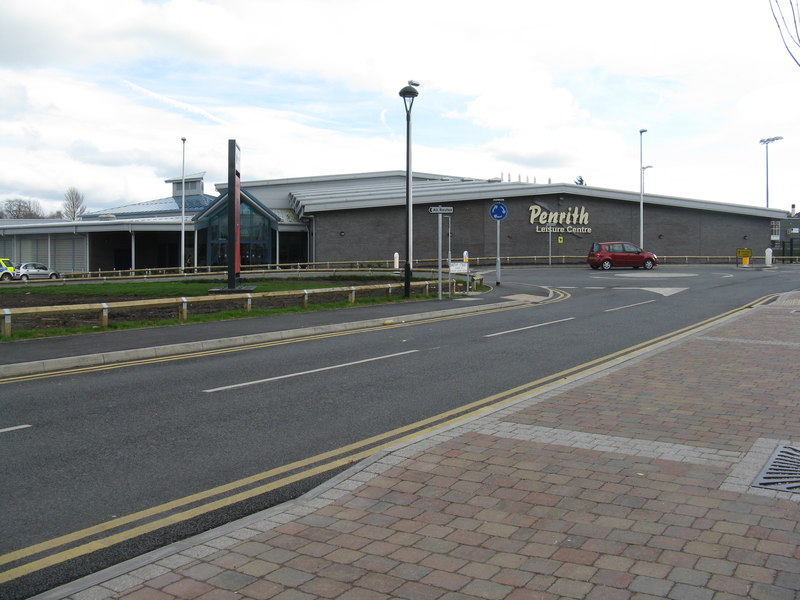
23 209
73 204
787 18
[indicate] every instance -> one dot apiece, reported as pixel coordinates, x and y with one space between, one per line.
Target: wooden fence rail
104 309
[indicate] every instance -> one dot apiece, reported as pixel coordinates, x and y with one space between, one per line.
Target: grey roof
351 179
448 191
162 206
193 177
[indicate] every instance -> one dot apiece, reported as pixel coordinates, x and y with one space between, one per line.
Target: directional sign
498 211
440 210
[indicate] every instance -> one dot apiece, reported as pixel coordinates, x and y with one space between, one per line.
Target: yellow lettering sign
571 216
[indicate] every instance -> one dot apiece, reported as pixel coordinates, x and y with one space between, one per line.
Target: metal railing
371 267
103 310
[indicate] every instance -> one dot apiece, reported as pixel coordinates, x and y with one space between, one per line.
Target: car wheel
53 275
23 277
5 276
648 264
606 264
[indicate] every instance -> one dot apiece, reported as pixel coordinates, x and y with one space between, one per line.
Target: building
362 217
786 237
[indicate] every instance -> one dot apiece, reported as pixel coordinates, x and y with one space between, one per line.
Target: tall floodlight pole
766 142
408 94
641 190
183 203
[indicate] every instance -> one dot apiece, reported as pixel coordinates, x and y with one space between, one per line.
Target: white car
34 270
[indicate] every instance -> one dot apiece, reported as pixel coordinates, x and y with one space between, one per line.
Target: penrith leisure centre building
362 218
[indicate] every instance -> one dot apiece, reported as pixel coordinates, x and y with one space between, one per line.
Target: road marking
558 296
360 449
628 306
652 275
15 428
662 291
299 374
529 327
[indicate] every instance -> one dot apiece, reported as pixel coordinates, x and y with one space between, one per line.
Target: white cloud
99 99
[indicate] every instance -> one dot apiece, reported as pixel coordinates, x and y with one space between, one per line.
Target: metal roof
171 205
429 192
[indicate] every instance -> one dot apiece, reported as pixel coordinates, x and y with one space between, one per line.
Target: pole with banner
234 215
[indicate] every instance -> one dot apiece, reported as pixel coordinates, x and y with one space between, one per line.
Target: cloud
100 98
175 103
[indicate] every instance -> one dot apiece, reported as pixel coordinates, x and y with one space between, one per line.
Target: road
133 457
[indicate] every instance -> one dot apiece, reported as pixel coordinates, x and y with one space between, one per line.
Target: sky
97 94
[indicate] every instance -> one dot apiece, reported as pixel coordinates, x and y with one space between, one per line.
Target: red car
605 255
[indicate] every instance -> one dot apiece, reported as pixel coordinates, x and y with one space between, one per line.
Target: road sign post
498 212
439 211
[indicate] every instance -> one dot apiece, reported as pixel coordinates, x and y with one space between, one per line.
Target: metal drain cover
782 471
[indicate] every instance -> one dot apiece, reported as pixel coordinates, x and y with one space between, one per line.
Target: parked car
34 270
6 269
605 255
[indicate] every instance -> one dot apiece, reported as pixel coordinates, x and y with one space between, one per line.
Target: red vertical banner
237 238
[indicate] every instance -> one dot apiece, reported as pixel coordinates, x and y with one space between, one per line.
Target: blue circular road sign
498 211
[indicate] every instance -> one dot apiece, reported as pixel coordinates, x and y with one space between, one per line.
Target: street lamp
408 94
183 203
641 234
766 142
641 190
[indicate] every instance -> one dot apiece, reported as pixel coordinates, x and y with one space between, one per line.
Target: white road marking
7 429
628 306
662 291
529 327
287 376
655 275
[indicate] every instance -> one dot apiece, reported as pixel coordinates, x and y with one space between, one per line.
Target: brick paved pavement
632 483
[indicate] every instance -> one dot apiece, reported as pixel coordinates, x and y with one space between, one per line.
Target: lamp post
183 203
641 190
766 142
641 224
408 94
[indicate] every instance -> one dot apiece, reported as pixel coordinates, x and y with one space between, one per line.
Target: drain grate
782 471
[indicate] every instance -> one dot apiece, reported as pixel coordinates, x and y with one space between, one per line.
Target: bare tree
73 204
787 17
23 209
